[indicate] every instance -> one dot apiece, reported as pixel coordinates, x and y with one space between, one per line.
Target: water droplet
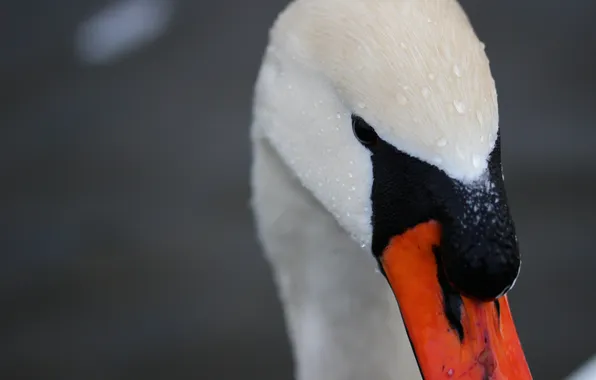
450 372
363 245
476 161
442 142
402 100
338 115
351 162
361 105
350 175
431 76
460 107
348 215
349 198
429 20
479 116
403 45
482 138
353 188
457 71
425 92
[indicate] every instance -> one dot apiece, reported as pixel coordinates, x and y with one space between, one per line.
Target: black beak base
478 250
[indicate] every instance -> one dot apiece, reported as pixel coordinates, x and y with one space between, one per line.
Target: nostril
483 271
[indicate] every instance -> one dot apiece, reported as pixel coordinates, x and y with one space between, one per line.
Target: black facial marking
478 249
498 308
364 132
452 302
479 246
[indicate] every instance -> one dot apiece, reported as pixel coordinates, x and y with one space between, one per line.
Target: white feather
413 69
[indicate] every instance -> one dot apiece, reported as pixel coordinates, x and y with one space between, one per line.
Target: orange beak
453 337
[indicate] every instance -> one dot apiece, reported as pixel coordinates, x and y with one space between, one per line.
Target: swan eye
364 132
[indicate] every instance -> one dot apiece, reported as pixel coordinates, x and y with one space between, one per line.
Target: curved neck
342 318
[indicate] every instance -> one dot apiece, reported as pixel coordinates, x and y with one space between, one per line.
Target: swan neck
342 319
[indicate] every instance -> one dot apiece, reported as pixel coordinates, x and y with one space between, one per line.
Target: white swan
375 138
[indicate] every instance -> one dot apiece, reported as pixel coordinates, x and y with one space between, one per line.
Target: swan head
387 112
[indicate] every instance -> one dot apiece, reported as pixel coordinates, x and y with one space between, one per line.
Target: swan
376 177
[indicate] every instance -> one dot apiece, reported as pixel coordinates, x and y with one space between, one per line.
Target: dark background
128 250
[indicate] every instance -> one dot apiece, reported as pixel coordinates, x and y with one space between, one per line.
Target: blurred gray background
128 250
